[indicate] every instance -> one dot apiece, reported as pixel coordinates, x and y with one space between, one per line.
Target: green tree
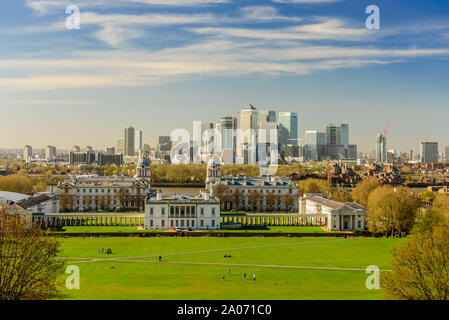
391 210
28 264
363 189
420 267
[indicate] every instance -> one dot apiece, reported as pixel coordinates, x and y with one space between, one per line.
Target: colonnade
60 220
274 220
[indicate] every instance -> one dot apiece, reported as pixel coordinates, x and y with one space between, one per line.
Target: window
202 223
360 224
177 223
151 211
172 210
163 223
187 223
213 211
193 223
151 223
171 223
202 211
193 210
163 211
213 223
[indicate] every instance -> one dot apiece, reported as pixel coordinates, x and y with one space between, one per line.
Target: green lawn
273 229
183 274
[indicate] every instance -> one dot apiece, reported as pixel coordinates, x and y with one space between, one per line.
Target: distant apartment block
429 152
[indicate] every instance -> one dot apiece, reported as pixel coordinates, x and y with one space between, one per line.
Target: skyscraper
314 147
337 134
50 152
225 127
429 152
288 128
337 142
139 140
27 153
120 146
129 141
381 155
446 154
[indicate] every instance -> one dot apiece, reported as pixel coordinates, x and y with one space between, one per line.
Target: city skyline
316 59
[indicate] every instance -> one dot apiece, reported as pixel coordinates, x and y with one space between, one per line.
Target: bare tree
254 198
237 197
28 268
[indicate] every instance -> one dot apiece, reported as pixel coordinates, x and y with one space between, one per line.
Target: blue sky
160 64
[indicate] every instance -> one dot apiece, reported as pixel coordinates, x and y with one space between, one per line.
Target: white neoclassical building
338 216
260 193
93 192
179 211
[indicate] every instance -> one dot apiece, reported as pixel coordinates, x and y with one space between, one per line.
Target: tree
428 219
271 199
254 198
420 267
363 189
340 195
237 197
16 183
28 267
221 192
428 197
288 201
391 210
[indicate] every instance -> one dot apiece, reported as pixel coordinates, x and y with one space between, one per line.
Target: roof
341 206
31 202
259 181
13 196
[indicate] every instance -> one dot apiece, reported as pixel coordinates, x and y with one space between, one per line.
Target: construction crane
386 128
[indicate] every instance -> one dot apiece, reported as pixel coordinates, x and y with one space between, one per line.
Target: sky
158 65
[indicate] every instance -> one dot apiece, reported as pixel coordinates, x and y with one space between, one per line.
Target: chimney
159 195
206 195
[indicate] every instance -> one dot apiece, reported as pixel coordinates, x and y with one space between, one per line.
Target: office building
129 141
104 159
120 146
139 140
381 154
110 150
337 134
225 130
288 128
429 152
50 152
76 158
76 149
446 154
27 153
315 145
164 144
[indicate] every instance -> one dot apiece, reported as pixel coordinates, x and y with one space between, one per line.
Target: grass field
193 268
274 229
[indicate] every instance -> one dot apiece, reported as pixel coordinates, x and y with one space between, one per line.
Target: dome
213 162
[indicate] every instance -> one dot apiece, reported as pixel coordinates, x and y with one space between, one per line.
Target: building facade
202 212
339 216
261 193
429 152
93 192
